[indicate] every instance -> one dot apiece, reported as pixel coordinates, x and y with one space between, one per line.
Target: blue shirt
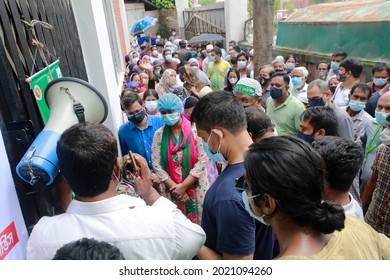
228 226
139 141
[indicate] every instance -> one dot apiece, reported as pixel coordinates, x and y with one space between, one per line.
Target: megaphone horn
71 101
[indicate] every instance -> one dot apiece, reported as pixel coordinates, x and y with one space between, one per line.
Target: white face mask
151 105
385 137
233 80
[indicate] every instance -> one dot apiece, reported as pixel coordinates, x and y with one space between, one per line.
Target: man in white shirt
343 159
88 158
348 75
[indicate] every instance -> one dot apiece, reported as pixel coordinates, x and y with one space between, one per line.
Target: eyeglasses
241 186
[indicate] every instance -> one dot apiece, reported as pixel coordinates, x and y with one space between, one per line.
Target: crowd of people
233 164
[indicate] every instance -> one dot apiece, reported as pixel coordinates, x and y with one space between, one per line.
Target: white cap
251 52
209 47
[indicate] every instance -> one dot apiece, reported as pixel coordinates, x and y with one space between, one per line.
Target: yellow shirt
357 241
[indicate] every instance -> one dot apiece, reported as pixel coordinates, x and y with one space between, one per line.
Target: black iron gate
20 120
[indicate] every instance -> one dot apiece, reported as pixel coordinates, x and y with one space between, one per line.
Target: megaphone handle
79 110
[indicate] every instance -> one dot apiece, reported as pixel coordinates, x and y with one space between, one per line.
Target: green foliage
164 4
207 2
289 7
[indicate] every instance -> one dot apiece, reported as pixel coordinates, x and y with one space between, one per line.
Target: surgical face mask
155 53
385 137
230 47
332 89
145 81
174 33
290 65
297 81
316 102
340 77
158 36
335 66
379 82
212 58
218 156
194 67
168 58
245 199
263 81
233 80
136 118
356 106
322 75
241 64
157 73
275 93
308 138
135 60
151 105
170 119
381 118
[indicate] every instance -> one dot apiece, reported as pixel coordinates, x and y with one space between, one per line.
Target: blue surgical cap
170 101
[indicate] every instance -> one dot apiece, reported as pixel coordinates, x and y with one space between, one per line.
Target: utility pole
263 32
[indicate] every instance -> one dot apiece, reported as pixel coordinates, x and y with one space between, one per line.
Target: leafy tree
207 2
164 4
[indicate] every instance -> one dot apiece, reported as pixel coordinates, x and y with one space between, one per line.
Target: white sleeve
190 237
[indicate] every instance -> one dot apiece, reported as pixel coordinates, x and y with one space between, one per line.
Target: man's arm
368 191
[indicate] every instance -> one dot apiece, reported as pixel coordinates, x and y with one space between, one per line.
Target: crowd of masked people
228 163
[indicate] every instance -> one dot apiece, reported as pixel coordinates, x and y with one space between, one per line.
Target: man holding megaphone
88 159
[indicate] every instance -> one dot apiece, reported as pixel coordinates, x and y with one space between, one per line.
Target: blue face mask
168 58
245 199
356 106
241 64
297 81
275 93
379 82
308 138
170 119
381 118
316 102
218 156
335 66
290 65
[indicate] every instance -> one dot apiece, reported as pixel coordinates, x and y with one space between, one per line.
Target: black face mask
333 89
137 118
263 81
233 60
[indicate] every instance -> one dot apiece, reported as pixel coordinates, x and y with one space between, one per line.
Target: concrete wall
235 16
98 58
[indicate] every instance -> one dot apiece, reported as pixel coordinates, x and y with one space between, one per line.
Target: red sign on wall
8 240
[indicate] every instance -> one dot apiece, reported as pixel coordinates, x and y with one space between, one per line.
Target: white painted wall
134 12
98 59
180 7
235 16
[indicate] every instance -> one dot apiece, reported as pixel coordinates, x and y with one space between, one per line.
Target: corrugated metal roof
351 11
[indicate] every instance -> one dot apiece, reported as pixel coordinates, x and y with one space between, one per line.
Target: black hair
229 86
354 65
388 118
219 108
285 76
175 53
233 42
342 54
86 155
290 56
150 92
379 67
219 44
129 100
243 54
343 159
322 117
292 172
363 87
258 122
190 102
166 51
324 62
237 48
217 51
125 92
88 249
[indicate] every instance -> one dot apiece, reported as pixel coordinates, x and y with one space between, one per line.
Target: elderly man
206 61
299 85
265 74
284 109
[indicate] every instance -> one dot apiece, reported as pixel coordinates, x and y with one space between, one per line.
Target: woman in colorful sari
179 159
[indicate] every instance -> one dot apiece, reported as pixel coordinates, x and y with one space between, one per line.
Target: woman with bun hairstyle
284 185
